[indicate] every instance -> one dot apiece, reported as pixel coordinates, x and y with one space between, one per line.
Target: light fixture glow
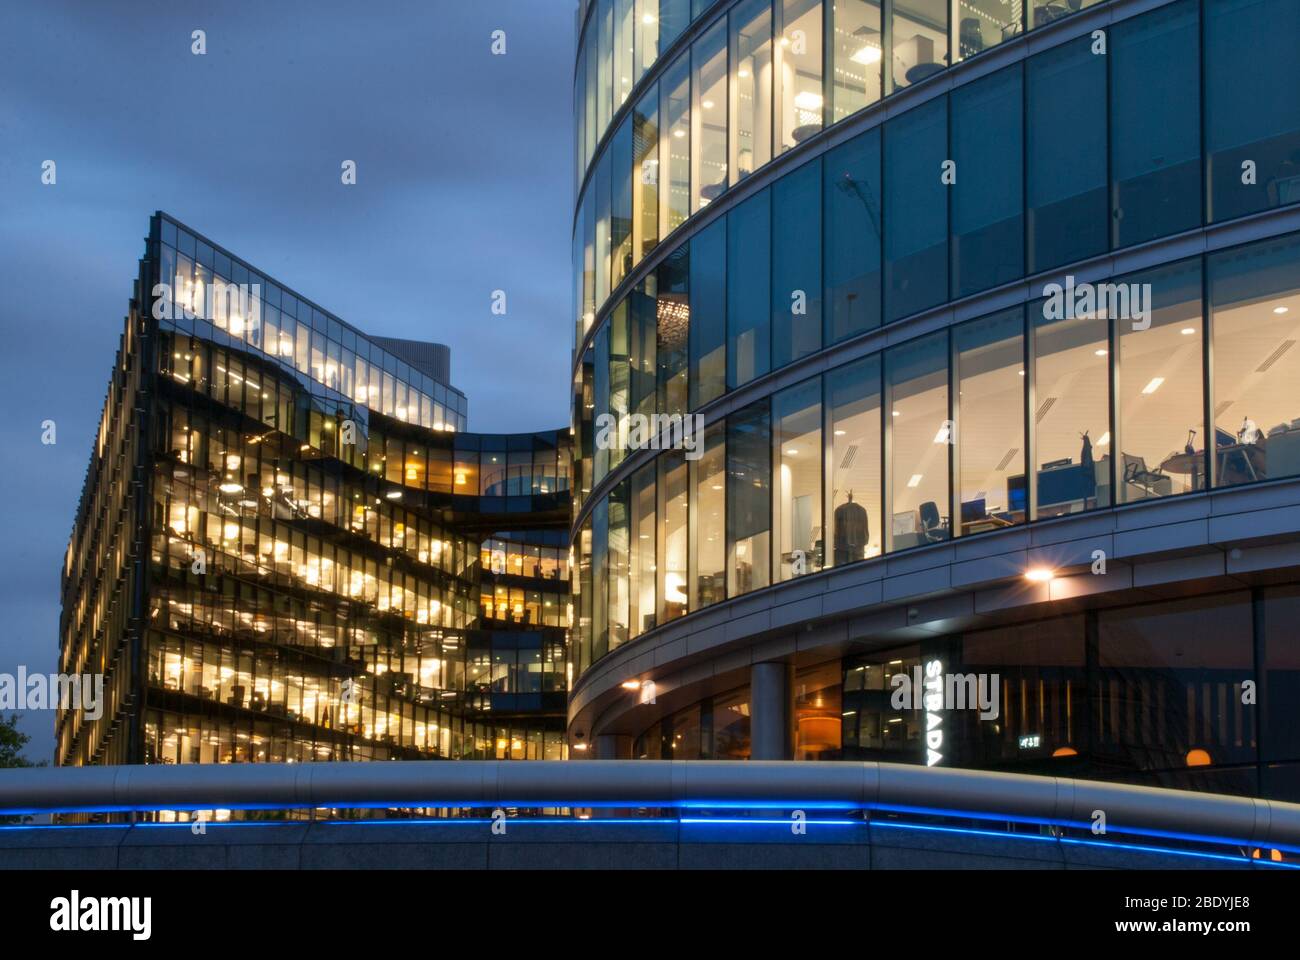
1105 439
630 685
807 100
1187 331
1281 310
915 481
1100 353
1153 386
866 55
1040 575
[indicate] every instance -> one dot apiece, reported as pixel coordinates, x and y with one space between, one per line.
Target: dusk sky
464 186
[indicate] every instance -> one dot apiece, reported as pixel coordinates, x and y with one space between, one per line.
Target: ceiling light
706 104
1280 310
679 132
867 55
1187 331
915 481
630 685
792 453
742 73
394 494
1154 385
231 487
1040 574
839 433
1105 439
807 100
1100 353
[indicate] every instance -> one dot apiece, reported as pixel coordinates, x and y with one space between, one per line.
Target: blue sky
464 186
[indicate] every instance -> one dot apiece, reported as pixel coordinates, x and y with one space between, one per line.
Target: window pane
988 198
1071 410
623 52
751 87
619 375
1255 303
1155 167
853 242
675 145
1251 108
749 507
984 23
709 117
916 209
600 579
674 16
1042 13
587 228
1066 93
708 521
857 53
644 332
748 284
647 35
1161 426
618 564
621 217
916 378
672 535
645 189
797 480
708 314
603 22
674 316
990 357
600 412
853 474
920 40
797 264
602 229
799 70
641 552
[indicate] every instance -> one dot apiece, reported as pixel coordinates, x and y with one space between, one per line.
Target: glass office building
287 545
986 311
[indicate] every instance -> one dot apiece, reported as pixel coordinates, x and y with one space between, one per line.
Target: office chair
931 523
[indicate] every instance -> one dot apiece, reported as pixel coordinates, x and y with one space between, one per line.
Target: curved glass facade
1060 399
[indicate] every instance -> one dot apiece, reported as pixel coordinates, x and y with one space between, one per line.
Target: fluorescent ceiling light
1154 385
807 100
915 481
867 55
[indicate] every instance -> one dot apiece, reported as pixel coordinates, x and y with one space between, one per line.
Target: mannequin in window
851 532
1089 469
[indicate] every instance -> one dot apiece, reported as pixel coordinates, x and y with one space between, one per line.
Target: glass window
602 228
748 285
817 720
751 87
644 331
709 117
1252 113
916 210
731 726
1279 673
1255 306
1071 402
620 225
708 327
600 579
708 521
990 415
1055 9
624 52
619 376
857 55
853 473
984 23
674 320
675 145
647 34
799 71
641 552
797 264
920 40
851 208
1155 167
587 230
749 504
604 25
671 568
674 17
604 438
797 480
916 381
988 232
645 188
1066 93
618 564
1160 382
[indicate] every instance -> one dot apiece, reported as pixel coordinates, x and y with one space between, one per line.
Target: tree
12 741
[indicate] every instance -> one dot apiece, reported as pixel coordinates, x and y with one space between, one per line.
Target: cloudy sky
464 186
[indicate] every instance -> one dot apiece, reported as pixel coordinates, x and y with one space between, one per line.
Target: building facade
986 312
288 548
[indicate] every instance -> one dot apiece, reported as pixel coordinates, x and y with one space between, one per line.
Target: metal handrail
651 783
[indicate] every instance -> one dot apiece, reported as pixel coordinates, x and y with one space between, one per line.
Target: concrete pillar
613 746
771 711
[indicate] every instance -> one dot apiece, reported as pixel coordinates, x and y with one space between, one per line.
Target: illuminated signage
933 718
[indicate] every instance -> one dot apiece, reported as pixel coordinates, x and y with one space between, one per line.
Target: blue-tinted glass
674 16
642 357
797 264
988 197
601 411
851 203
620 240
1066 109
916 210
749 272
708 314
1156 167
673 313
1252 104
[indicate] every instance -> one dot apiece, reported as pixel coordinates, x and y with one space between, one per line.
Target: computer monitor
1017 494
